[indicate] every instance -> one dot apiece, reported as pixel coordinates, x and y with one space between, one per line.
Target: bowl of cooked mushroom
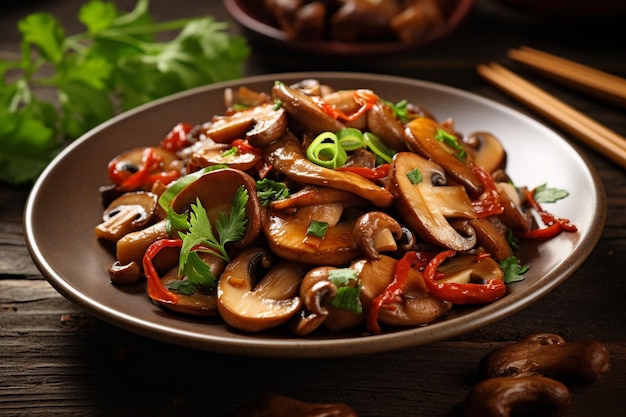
349 27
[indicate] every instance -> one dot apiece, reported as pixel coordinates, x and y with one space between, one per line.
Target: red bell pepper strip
410 260
490 204
381 171
554 225
146 175
244 146
469 293
176 139
365 98
156 290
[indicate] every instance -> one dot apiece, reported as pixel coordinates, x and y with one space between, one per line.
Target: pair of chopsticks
604 85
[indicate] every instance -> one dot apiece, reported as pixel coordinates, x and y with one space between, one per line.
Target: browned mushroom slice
225 129
376 232
132 246
316 291
416 306
216 191
287 234
422 137
463 269
382 122
218 154
548 355
252 305
491 239
514 216
203 302
303 109
286 156
425 204
488 151
127 213
503 396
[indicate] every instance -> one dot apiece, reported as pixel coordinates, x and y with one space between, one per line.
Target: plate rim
303 347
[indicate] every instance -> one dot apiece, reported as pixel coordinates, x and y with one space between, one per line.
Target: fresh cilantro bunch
115 65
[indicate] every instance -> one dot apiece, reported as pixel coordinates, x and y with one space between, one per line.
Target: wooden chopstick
581 77
590 132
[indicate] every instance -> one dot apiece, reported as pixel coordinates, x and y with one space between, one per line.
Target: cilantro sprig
545 194
94 75
229 228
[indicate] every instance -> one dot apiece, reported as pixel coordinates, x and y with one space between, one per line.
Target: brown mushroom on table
129 212
426 204
275 405
503 396
252 305
287 157
548 354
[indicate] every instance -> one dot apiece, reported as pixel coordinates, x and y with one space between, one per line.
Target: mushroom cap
271 302
216 191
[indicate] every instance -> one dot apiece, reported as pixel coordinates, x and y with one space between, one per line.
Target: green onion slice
377 146
326 151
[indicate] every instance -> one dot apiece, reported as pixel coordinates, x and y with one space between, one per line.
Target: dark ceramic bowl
260 27
64 207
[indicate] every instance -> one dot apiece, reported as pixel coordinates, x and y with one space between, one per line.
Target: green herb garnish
347 297
94 76
229 228
415 176
452 141
268 190
544 194
513 271
317 229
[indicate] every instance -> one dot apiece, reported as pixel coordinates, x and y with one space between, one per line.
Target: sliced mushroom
266 119
491 239
129 212
286 234
421 138
304 110
502 396
548 355
382 122
132 246
463 269
488 151
252 306
203 302
128 274
217 154
415 306
427 205
286 156
363 20
418 20
376 232
514 216
216 191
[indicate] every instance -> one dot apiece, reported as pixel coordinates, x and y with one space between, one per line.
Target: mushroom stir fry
310 207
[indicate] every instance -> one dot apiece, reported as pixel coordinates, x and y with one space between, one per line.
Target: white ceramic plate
64 207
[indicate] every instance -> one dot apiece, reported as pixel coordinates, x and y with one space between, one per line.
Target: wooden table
57 360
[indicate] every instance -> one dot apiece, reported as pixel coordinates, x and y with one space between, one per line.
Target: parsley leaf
543 194
513 271
93 76
415 176
317 229
347 297
268 190
452 141
229 228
